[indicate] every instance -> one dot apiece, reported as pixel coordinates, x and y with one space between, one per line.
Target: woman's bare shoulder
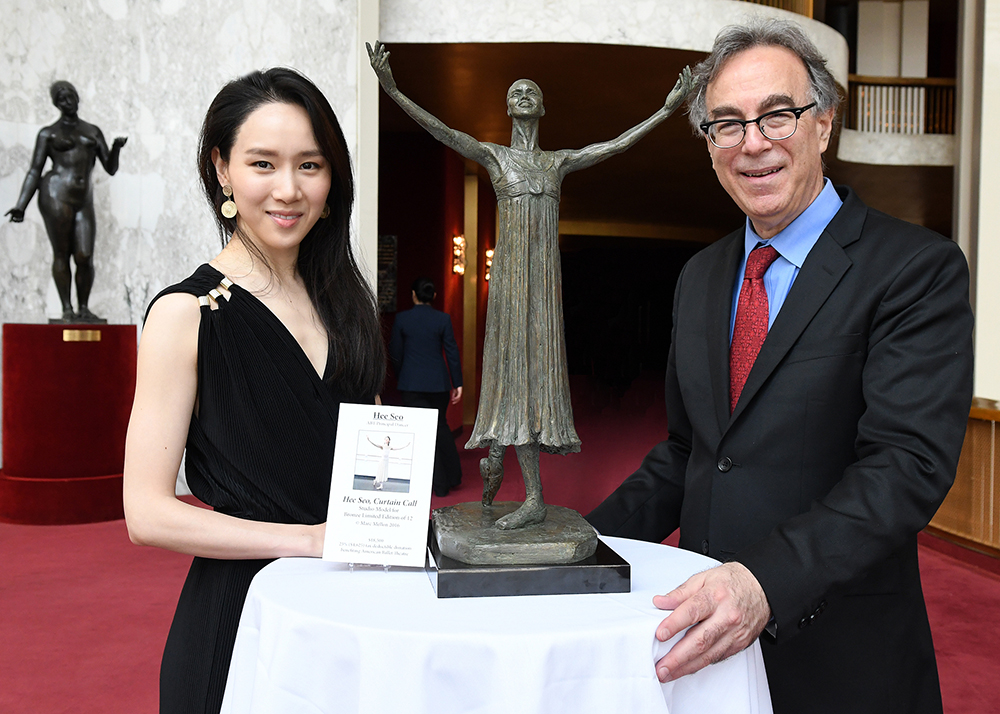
179 305
175 315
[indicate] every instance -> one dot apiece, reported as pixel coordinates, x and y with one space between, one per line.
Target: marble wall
147 70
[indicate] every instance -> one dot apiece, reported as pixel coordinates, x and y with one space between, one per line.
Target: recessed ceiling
595 92
592 93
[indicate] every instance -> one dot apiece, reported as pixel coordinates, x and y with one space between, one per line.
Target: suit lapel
822 270
720 283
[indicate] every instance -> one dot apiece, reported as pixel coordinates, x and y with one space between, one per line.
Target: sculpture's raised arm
461 142
595 153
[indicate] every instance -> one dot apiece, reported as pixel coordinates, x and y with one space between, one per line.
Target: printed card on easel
380 491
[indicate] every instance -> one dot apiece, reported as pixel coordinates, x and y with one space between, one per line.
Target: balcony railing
800 7
901 105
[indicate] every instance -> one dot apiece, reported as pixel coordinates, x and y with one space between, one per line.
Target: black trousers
447 468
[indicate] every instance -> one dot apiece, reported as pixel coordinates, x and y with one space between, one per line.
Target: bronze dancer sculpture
65 195
524 400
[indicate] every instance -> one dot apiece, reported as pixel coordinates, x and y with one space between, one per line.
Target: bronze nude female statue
65 195
524 399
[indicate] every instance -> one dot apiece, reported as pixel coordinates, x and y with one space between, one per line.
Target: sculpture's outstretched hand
461 142
683 87
16 215
119 142
380 63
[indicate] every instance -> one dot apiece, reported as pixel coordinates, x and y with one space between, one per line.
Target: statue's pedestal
67 396
467 557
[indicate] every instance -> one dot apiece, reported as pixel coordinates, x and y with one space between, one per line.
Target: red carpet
963 603
84 613
83 618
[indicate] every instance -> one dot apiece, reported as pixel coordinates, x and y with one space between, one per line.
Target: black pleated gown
260 447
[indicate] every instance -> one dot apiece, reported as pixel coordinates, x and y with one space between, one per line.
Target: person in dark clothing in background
426 377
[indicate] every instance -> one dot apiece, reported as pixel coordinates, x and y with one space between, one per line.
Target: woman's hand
380 63
16 215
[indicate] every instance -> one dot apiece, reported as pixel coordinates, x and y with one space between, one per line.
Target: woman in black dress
243 365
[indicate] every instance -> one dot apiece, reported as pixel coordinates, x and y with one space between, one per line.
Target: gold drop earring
229 207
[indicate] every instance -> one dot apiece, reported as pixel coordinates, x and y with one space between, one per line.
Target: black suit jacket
418 337
842 446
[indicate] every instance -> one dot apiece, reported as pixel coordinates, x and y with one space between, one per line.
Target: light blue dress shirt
793 245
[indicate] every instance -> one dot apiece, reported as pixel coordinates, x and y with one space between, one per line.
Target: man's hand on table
726 609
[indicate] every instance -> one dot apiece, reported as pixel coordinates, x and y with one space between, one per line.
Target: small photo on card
383 462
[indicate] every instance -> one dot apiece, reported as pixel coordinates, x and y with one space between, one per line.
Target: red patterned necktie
750 327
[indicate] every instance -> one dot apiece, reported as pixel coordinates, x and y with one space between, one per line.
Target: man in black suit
807 462
426 379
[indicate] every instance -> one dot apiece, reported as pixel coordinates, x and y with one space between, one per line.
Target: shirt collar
798 237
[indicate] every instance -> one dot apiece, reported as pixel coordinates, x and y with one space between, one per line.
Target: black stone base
603 572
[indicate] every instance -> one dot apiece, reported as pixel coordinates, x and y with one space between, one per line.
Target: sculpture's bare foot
492 472
68 315
530 513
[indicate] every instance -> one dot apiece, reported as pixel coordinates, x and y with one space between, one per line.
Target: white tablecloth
317 637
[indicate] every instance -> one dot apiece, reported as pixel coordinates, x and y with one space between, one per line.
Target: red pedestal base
67 395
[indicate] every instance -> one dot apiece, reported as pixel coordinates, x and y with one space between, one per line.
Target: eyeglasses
775 125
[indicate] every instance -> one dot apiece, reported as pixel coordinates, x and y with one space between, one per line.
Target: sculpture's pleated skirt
524 395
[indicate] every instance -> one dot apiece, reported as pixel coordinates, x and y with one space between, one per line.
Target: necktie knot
759 261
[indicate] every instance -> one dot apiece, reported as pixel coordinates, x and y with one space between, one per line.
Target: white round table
319 637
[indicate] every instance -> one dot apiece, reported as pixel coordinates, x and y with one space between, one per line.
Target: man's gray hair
762 32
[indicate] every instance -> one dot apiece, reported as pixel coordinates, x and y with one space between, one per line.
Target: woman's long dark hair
326 263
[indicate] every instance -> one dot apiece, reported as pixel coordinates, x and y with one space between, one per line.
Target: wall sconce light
458 255
489 262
